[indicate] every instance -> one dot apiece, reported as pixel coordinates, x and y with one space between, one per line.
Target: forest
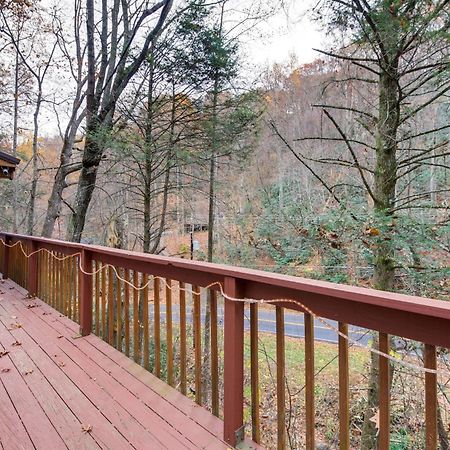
142 125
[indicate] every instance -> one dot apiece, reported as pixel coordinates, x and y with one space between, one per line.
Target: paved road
293 324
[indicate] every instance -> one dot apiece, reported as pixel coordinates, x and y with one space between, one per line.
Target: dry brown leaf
61 364
376 419
60 336
86 428
32 305
3 353
28 372
16 344
5 370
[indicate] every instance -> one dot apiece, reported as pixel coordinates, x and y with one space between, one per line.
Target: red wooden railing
110 298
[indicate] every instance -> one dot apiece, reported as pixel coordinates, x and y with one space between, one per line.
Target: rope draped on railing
324 322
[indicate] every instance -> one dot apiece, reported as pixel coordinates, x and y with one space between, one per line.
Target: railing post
32 268
5 268
85 293
233 408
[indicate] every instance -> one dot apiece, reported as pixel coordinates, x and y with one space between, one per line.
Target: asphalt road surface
293 324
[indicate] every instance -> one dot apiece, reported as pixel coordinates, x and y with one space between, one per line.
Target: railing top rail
405 315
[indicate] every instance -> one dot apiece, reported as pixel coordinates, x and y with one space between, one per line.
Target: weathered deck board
79 383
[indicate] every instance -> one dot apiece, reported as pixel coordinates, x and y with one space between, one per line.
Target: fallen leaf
372 231
16 344
61 364
5 370
3 353
60 336
32 305
28 372
86 428
13 317
376 419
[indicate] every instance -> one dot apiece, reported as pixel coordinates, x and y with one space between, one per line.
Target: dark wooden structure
8 165
90 285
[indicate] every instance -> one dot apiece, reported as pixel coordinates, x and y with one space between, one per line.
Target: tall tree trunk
60 183
384 192
148 171
92 152
15 136
86 184
34 181
211 225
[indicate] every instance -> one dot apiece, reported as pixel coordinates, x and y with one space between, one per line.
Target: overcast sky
274 41
286 34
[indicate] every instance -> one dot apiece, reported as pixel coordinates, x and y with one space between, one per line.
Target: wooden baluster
384 393
233 414
110 306
127 311
50 280
254 370
103 288
55 281
65 265
344 415
431 403
97 297
33 273
169 331
281 394
197 321
85 293
39 273
309 381
136 337
182 339
63 285
79 273
157 326
58 282
70 286
214 354
45 277
119 311
145 318
7 254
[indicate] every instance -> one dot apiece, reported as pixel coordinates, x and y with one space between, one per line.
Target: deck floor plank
139 377
93 368
196 432
60 415
39 427
78 382
12 432
123 421
88 414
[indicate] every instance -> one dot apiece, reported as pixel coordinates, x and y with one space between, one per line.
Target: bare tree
77 114
106 81
38 70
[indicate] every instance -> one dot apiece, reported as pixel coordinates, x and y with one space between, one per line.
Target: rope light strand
218 284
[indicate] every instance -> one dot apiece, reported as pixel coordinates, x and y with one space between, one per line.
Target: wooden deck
59 390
